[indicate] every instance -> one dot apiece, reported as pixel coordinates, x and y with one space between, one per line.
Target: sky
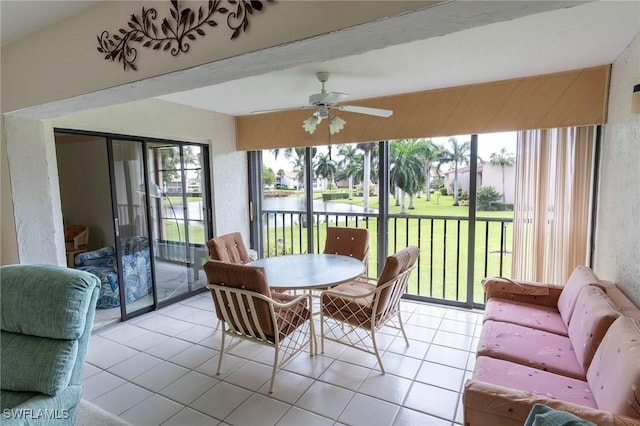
488 143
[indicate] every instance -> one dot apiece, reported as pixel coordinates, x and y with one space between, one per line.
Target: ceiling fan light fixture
310 124
336 124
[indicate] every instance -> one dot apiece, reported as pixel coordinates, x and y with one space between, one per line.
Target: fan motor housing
319 99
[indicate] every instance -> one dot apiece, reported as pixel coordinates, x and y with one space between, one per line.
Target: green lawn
444 255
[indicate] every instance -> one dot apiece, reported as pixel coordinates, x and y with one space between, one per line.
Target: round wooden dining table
309 271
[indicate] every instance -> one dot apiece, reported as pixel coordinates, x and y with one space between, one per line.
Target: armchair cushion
229 248
352 242
355 309
47 313
56 302
36 364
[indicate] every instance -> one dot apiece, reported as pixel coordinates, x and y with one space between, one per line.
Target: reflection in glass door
178 212
494 208
132 236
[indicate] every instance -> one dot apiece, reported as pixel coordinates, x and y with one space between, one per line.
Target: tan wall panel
553 100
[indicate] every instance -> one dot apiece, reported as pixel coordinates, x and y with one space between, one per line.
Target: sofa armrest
522 291
485 403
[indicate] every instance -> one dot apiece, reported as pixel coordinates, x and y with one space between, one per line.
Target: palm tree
349 154
296 155
300 170
458 153
368 149
502 159
406 171
325 167
431 152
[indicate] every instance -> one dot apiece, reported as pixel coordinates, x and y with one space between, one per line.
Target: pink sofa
574 348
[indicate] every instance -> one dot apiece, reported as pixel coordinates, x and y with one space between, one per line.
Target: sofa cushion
534 381
593 315
581 276
36 364
527 314
614 373
530 347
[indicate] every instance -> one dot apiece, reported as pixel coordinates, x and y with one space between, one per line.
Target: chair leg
221 351
275 368
375 349
402 328
321 332
313 343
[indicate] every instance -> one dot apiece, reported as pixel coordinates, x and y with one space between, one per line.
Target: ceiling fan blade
379 112
266 111
335 97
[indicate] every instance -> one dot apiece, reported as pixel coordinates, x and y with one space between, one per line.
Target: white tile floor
159 369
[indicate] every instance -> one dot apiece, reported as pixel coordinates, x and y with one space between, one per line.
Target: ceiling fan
326 101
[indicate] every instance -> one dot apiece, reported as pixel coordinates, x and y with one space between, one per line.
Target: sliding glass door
161 220
178 200
130 212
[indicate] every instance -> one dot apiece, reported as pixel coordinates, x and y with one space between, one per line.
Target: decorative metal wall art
174 33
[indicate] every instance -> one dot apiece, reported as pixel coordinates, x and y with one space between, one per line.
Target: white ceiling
587 34
21 18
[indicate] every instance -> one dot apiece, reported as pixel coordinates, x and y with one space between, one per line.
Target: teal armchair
46 316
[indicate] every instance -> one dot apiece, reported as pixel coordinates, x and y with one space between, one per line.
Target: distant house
488 175
288 181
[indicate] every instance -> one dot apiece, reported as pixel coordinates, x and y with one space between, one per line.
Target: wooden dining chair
229 248
351 313
249 311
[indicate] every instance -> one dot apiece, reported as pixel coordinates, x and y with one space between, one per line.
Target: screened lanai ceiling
581 36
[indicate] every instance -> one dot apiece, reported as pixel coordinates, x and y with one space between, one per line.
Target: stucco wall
617 254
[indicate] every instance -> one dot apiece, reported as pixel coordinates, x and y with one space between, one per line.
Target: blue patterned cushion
36 364
136 270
